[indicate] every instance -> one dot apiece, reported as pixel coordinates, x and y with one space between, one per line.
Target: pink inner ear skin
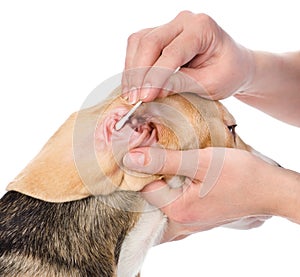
133 134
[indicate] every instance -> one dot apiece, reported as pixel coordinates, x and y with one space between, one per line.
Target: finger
200 165
172 57
144 51
128 73
186 80
161 161
160 195
133 45
152 43
129 92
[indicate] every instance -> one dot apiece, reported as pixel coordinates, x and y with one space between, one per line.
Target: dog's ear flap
56 193
37 182
52 175
55 176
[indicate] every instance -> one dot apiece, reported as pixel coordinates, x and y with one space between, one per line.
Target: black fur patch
83 237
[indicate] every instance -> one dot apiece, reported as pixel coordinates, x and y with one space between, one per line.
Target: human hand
210 62
223 185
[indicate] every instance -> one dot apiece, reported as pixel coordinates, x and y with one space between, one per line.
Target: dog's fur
79 238
53 225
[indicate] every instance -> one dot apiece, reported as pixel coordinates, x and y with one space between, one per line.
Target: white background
54 53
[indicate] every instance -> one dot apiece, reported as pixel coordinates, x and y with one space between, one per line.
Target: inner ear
106 127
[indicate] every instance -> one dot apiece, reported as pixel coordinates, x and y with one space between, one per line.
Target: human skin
205 53
235 193
222 67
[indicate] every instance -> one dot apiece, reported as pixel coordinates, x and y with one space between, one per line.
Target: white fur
176 182
146 233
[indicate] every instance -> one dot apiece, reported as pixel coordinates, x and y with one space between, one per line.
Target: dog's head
84 157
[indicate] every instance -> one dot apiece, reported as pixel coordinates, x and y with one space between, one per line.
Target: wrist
289 196
274 86
264 68
271 72
284 195
250 69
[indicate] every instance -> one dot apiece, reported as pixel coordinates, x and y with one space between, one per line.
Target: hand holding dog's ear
210 63
223 185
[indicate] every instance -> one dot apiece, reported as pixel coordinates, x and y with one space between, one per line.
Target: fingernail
134 159
125 96
145 91
169 88
133 95
125 93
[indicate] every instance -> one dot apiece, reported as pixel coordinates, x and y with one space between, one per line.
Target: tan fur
57 172
72 167
55 168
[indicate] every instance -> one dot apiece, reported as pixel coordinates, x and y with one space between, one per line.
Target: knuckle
184 14
203 18
134 38
192 17
197 19
206 22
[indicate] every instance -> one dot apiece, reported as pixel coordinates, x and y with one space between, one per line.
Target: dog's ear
52 175
80 160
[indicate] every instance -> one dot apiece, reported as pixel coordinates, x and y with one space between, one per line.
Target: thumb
162 161
145 159
204 165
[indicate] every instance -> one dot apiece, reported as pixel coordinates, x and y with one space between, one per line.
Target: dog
75 211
